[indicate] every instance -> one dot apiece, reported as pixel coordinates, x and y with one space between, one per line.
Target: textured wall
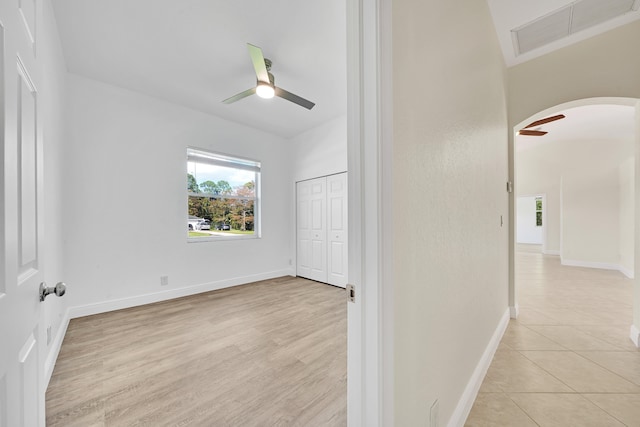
450 169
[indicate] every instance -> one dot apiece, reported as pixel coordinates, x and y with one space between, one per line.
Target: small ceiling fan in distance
265 84
528 131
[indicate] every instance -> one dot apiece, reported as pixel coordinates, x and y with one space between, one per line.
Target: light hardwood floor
568 359
264 354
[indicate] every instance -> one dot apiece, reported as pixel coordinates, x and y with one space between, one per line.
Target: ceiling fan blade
532 132
545 121
239 96
294 98
258 63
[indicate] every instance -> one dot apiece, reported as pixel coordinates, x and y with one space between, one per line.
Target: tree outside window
222 196
538 211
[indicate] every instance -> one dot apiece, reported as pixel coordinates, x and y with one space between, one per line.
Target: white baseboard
54 350
551 252
601 265
626 271
128 302
634 334
470 393
514 311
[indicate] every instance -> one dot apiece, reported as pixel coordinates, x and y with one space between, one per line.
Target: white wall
53 99
539 170
449 174
591 219
627 216
606 65
537 175
125 199
528 232
320 151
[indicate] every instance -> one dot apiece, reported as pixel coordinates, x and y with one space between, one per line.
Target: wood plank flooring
264 354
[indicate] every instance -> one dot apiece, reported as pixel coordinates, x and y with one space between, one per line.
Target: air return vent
568 20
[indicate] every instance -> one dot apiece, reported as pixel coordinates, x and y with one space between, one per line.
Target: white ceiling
613 126
510 14
193 53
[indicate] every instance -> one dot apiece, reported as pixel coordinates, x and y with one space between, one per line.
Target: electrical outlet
49 335
164 280
433 414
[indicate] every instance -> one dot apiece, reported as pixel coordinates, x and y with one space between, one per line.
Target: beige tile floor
567 360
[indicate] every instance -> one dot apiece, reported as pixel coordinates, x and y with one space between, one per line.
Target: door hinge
351 293
509 187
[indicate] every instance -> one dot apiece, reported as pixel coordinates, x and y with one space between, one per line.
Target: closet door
312 229
337 257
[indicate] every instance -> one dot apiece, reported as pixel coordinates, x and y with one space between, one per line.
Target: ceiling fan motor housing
268 63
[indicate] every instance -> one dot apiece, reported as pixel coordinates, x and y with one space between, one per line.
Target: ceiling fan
265 85
527 131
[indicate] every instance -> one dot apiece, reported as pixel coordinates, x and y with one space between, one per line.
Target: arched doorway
627 242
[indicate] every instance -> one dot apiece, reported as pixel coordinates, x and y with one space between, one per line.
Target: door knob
59 289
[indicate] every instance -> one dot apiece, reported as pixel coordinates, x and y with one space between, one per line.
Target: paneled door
321 235
337 256
311 232
21 213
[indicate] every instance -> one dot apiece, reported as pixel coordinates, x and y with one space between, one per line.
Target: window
538 211
223 196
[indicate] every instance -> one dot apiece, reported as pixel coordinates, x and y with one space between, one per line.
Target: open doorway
584 165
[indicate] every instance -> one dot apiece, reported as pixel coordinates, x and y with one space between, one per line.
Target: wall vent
568 20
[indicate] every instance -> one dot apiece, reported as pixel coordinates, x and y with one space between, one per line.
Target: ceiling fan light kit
265 91
265 82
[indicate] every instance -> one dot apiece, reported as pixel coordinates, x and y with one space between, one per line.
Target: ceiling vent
568 20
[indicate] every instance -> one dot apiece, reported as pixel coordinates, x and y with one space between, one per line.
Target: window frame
205 156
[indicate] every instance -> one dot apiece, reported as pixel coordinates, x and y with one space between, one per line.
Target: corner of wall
634 334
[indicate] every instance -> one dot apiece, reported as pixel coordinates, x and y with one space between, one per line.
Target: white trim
626 271
634 334
551 252
54 350
589 264
465 403
599 265
387 315
368 121
514 311
355 324
128 302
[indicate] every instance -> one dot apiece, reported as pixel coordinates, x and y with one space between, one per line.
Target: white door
311 233
338 255
21 377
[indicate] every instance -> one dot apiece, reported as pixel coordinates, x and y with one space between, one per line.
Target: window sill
228 238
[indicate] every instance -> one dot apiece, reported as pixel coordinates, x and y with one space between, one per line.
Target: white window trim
231 161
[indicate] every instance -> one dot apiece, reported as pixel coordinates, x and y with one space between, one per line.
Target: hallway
567 360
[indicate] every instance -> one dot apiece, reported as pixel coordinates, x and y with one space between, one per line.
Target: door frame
369 140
